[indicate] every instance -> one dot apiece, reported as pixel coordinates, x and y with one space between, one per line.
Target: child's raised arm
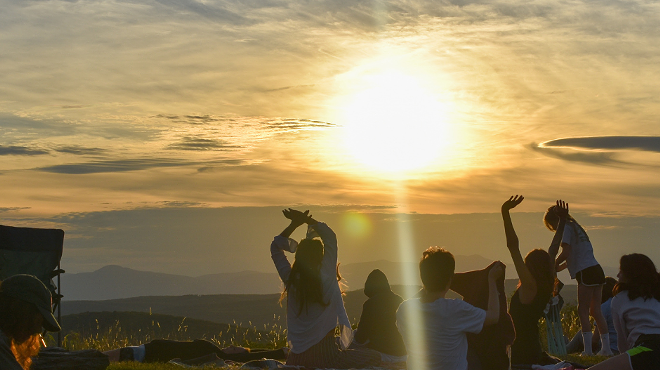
561 210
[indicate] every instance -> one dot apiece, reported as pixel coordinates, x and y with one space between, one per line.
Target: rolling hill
116 282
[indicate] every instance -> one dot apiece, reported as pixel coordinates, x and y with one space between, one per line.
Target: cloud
21 150
645 143
211 11
196 143
593 158
79 150
113 166
126 165
9 209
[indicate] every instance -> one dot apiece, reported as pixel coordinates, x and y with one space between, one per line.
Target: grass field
111 330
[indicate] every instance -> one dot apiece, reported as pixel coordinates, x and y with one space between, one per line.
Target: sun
395 125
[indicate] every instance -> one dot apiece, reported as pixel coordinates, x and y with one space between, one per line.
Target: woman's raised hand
497 271
561 209
512 202
296 216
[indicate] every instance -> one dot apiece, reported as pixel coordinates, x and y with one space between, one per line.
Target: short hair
436 268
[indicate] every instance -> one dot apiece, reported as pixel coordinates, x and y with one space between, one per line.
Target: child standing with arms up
578 256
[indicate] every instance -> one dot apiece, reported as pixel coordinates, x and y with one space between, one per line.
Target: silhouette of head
542 268
638 275
376 283
436 268
551 220
305 281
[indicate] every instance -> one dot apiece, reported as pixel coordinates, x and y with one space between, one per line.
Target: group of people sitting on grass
428 331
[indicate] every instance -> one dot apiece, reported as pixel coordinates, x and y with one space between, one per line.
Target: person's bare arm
560 263
527 290
493 311
561 210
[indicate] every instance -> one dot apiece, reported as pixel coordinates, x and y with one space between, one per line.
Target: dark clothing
7 359
591 276
377 328
490 345
327 355
526 349
646 353
162 350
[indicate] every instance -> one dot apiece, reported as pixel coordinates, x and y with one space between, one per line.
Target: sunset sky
141 117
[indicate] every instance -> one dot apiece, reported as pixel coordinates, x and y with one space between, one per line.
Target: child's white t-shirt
582 253
444 324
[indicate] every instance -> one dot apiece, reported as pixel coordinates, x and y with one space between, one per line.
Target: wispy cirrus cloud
21 150
201 144
79 150
127 165
593 158
645 143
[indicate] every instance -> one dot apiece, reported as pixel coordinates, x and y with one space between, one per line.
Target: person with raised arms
314 299
535 288
577 255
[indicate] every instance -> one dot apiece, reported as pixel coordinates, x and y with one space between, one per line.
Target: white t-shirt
444 324
582 253
634 318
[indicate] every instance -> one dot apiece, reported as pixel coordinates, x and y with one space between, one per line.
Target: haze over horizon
168 134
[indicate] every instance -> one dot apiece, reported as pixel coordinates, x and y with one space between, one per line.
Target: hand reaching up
497 271
296 216
512 202
561 209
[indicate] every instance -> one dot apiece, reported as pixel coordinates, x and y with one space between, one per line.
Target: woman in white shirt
314 300
636 315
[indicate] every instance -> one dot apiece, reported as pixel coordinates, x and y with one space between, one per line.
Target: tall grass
117 335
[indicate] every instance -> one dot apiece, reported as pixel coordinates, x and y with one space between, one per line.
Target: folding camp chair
556 343
25 250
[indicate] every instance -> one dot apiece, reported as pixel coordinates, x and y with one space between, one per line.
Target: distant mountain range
116 282
243 309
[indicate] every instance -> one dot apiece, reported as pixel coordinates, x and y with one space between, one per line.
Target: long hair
541 266
21 322
305 282
640 275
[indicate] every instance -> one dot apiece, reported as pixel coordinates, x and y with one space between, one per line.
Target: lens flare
356 225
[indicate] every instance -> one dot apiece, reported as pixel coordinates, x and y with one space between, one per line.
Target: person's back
433 327
444 324
377 327
314 300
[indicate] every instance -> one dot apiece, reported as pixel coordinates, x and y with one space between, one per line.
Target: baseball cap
30 289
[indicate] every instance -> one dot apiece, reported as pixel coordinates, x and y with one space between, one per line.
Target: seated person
575 345
24 310
315 307
377 327
433 327
162 350
636 315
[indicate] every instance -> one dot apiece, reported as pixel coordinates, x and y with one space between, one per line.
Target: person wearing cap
25 308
